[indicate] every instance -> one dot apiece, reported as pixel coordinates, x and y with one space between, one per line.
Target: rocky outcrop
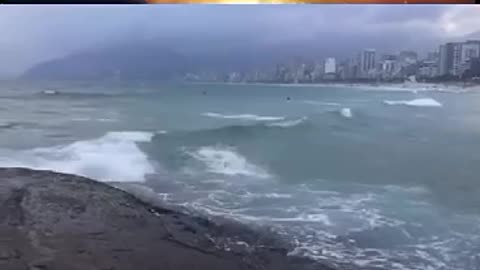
57 221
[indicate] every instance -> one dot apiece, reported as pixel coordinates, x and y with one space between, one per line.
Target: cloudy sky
31 34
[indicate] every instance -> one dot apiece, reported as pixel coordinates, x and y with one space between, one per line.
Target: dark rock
59 222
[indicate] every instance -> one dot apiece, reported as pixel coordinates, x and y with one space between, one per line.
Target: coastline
405 87
59 221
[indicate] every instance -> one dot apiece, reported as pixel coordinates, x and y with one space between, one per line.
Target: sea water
376 179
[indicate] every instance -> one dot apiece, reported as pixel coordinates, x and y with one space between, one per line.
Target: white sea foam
106 120
288 123
315 102
412 189
419 102
49 92
346 112
225 160
271 195
83 119
237 215
130 136
253 117
112 157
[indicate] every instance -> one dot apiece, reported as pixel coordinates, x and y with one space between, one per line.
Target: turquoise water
369 177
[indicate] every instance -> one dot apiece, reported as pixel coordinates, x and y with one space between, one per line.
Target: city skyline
450 61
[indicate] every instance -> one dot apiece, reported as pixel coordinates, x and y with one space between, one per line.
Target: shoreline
406 87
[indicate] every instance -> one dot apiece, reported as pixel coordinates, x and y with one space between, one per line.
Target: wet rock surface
57 221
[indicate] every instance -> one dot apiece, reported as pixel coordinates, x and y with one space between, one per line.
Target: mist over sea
376 178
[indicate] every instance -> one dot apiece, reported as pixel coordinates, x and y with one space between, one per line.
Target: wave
288 123
314 102
253 117
419 102
86 119
226 161
229 134
114 157
78 94
346 112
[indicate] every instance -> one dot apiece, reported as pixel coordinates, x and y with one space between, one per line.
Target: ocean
368 177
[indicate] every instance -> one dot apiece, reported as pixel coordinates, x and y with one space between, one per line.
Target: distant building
348 69
408 58
318 71
457 59
469 50
432 56
300 74
449 59
367 63
389 69
330 68
454 57
234 77
427 69
445 59
389 57
474 71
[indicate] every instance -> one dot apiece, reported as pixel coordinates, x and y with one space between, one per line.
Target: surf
114 157
252 117
419 102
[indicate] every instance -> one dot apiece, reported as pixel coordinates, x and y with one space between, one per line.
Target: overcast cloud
31 34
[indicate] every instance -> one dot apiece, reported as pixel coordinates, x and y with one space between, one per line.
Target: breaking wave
253 117
288 123
315 102
112 157
420 102
226 161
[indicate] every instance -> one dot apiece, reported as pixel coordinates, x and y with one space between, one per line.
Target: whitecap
253 117
288 123
271 195
346 112
225 160
49 92
405 189
315 102
419 102
106 120
112 157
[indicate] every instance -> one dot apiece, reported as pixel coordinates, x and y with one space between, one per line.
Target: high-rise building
330 66
474 67
469 50
449 59
349 69
317 73
367 63
389 69
457 59
444 59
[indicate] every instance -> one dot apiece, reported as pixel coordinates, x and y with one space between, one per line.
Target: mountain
131 61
